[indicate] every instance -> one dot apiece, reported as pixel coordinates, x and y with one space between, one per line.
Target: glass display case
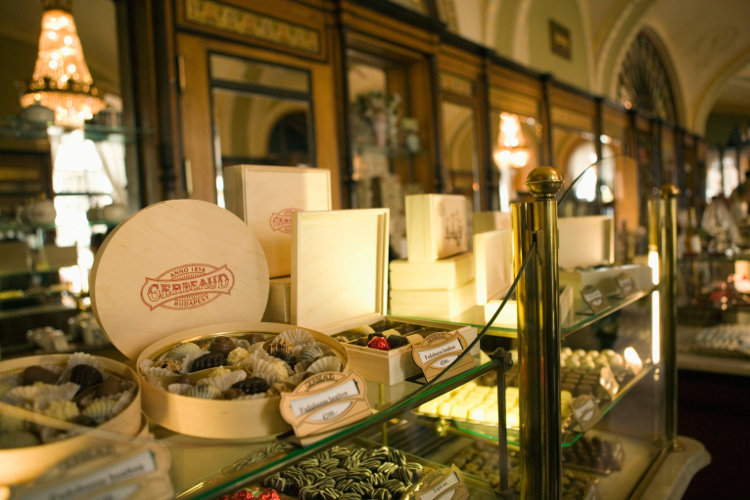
585 409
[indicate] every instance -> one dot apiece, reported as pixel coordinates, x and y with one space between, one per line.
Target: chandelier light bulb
62 80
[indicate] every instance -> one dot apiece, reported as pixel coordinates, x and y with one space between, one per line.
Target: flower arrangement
381 110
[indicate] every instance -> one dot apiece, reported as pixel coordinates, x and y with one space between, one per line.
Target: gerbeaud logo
281 221
187 287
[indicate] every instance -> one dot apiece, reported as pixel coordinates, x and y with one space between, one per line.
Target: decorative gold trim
456 84
243 22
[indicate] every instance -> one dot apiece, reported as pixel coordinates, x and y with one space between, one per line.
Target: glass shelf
23 129
744 255
579 320
489 432
475 316
391 402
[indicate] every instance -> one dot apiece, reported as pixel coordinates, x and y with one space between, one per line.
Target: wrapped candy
380 343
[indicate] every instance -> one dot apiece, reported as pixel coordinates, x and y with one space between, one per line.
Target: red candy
380 343
269 494
239 495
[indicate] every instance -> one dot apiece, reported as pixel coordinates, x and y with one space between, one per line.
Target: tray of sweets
723 340
594 454
481 459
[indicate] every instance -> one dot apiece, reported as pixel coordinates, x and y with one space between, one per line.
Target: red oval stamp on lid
187 287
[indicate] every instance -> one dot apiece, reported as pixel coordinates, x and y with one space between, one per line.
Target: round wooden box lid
173 266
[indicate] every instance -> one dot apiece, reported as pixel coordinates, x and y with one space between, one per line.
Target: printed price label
106 472
438 351
594 298
586 411
324 402
625 283
443 484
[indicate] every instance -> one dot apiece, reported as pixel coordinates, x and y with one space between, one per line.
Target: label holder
625 284
439 350
443 484
324 402
594 298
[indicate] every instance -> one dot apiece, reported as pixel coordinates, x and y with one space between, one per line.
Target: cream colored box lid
266 196
339 268
173 266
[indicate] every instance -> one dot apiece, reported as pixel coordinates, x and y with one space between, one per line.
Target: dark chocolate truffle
222 345
36 373
85 376
210 360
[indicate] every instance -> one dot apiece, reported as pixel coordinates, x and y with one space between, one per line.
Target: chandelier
509 152
61 80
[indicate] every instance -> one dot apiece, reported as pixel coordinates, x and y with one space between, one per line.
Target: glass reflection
515 154
461 174
262 114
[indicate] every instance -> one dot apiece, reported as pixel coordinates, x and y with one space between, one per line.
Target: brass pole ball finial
544 182
669 191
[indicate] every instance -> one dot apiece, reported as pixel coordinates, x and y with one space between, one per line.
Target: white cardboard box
493 252
586 241
437 304
604 279
446 274
340 281
435 226
265 198
490 221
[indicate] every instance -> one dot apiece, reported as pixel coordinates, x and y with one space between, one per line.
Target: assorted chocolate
385 335
349 474
481 459
593 453
242 366
728 340
78 392
592 359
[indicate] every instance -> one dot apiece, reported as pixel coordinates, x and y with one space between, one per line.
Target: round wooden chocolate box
179 271
22 464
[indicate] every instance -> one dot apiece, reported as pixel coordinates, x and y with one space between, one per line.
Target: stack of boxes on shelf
437 279
587 257
493 250
441 278
328 268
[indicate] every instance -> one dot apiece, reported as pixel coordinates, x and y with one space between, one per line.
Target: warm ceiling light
509 151
62 81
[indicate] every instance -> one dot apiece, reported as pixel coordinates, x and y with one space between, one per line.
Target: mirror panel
460 161
262 114
515 152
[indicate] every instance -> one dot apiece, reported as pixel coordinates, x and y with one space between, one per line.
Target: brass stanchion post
539 337
668 338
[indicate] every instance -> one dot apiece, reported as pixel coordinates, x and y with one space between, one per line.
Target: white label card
324 402
138 465
586 411
312 403
437 490
625 283
594 298
443 484
454 346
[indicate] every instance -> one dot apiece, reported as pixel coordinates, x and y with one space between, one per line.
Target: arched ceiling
707 44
